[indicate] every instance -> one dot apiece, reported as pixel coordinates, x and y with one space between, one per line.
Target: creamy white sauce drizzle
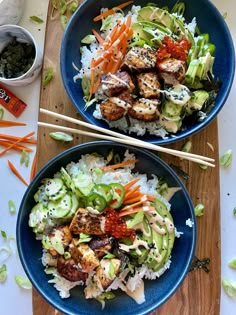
119 102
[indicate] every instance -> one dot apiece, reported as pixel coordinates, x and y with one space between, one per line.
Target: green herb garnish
198 210
1 113
23 282
61 136
226 158
232 263
229 287
25 158
11 207
36 19
3 273
48 76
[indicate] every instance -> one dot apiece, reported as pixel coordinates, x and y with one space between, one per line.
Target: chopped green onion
61 136
23 282
88 39
198 210
49 270
24 158
67 255
84 238
7 251
109 256
11 207
111 271
48 76
226 158
73 6
230 288
178 8
187 146
36 19
110 156
234 211
116 158
3 273
204 167
54 4
1 113
64 21
4 234
57 246
232 263
225 15
62 7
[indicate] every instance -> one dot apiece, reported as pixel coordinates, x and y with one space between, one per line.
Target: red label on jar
11 102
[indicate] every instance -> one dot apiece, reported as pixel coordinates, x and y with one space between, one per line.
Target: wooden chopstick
125 141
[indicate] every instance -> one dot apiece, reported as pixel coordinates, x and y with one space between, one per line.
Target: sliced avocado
139 33
155 14
162 208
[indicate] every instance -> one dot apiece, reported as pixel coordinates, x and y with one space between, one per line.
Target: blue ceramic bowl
156 291
209 21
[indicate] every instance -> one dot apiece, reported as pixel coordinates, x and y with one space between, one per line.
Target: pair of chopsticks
115 136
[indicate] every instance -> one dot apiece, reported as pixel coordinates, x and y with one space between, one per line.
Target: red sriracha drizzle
116 226
170 48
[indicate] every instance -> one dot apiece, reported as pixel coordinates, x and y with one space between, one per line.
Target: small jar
11 11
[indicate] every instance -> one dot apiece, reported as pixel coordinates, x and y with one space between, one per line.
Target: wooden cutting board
200 292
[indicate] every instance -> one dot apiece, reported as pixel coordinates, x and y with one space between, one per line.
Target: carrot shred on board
19 140
4 136
118 165
33 168
16 172
17 147
112 11
9 123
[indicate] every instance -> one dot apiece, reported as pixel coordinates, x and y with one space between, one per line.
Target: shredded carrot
131 183
9 123
98 36
33 168
136 197
138 203
19 140
15 138
135 210
111 11
132 193
16 172
17 147
118 165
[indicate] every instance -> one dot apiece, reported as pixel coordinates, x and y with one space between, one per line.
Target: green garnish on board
23 282
47 76
11 207
61 136
198 210
36 19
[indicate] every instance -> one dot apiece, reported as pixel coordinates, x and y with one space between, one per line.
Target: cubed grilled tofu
145 109
116 107
113 84
171 70
148 84
61 235
140 59
107 271
69 270
101 246
111 111
87 223
88 259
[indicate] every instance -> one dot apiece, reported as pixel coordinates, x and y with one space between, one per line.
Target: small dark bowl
156 291
209 21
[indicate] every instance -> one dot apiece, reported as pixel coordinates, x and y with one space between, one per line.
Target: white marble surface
14 300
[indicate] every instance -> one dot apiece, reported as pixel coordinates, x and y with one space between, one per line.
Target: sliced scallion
229 287
48 76
61 136
232 263
226 158
23 282
36 19
109 256
25 158
1 113
4 234
111 271
3 273
198 210
234 211
11 207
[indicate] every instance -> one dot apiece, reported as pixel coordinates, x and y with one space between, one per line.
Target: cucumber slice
83 183
37 214
55 189
59 209
171 110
